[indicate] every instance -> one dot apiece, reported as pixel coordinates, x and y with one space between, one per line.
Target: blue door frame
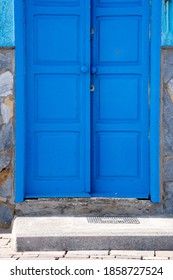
154 101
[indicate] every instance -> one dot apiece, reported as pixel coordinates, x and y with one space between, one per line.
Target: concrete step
79 233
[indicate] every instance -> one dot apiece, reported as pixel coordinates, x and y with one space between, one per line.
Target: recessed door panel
61 159
118 155
52 87
119 39
118 98
52 44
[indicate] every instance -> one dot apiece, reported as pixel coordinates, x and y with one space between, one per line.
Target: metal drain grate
113 220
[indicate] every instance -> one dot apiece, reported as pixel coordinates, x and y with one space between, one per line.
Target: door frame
155 83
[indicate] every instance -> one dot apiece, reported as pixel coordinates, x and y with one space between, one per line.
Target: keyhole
91 88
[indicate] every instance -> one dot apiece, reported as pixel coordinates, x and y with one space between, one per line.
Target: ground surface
7 253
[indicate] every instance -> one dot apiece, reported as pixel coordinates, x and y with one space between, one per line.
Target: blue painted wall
7 23
167 23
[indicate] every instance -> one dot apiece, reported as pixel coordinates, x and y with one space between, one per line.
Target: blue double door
87 98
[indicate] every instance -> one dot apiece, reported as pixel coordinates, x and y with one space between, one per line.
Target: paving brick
30 255
4 242
8 259
155 258
103 257
72 258
5 250
57 254
164 254
17 255
46 258
27 257
5 236
128 258
87 253
6 256
132 253
77 257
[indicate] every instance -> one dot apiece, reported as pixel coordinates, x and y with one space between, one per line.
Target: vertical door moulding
155 100
20 100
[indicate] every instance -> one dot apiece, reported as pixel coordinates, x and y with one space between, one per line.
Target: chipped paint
6 23
167 23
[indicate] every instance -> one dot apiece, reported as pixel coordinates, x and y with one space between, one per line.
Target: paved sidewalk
6 253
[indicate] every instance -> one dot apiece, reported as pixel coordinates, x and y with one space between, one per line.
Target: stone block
6 136
5 111
6 188
167 72
6 59
9 103
169 198
167 123
3 199
168 169
6 83
168 56
4 162
6 215
4 175
170 89
87 206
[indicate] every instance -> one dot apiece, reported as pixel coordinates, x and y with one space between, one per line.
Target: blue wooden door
57 98
120 101
73 46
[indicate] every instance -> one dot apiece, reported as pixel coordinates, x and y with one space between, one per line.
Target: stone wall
6 136
167 76
83 206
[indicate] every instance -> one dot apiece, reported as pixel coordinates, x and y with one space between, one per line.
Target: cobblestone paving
6 253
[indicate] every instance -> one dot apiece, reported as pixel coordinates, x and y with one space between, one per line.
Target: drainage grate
113 220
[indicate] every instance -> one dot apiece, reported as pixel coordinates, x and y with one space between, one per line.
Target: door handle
84 69
94 69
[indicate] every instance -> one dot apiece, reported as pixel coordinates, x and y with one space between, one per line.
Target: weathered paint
167 23
6 23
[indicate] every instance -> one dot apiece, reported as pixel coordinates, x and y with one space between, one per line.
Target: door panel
120 112
57 98
115 92
57 40
123 31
